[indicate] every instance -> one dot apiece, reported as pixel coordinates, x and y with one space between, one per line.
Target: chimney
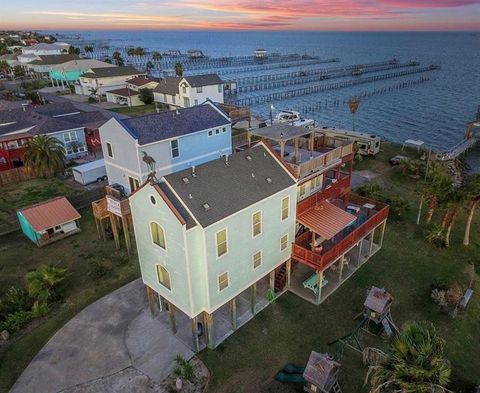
226 159
193 171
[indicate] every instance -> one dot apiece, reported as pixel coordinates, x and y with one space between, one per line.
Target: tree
88 48
44 283
4 67
139 51
73 50
146 96
454 199
353 104
472 191
116 55
107 60
44 155
131 51
438 183
178 69
156 56
413 363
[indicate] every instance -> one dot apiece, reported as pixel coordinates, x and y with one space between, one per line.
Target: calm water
435 111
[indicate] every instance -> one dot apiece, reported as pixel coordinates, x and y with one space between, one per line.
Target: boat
294 118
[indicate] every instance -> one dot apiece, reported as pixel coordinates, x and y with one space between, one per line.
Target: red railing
334 190
320 261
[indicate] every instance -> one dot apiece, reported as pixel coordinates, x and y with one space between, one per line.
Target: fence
15 175
79 201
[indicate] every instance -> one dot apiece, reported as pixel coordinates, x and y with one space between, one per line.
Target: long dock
459 149
277 96
319 77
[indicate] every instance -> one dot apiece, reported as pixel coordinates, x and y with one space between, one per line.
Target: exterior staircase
281 278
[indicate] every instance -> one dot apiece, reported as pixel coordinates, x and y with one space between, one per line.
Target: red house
12 150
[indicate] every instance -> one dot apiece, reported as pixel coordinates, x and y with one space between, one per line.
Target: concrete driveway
113 345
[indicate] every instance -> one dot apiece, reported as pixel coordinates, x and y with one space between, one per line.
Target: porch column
319 286
295 153
171 312
312 142
150 300
272 282
253 298
102 229
340 270
233 313
289 270
282 148
371 243
126 234
359 257
383 233
113 223
208 318
196 343
162 303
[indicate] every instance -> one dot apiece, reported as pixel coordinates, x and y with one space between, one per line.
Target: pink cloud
428 3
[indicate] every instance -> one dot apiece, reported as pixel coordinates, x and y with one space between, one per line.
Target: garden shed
49 221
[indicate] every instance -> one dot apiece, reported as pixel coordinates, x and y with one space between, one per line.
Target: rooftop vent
226 159
269 180
248 157
193 171
190 196
253 175
185 180
206 207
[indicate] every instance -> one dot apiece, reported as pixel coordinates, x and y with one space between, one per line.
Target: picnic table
311 283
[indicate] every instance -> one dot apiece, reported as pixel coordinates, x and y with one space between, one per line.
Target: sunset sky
242 14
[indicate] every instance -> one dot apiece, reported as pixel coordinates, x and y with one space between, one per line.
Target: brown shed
320 373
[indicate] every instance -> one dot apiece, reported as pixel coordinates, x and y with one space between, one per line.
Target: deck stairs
281 278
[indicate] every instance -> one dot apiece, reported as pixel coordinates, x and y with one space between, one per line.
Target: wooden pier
277 96
470 141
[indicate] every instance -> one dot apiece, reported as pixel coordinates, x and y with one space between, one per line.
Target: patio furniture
311 283
353 209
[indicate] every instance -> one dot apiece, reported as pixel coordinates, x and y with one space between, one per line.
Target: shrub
454 294
14 300
14 322
146 96
435 236
92 100
398 205
97 269
39 309
44 283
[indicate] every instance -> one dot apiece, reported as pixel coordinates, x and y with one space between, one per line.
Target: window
173 100
174 148
163 277
158 235
184 89
165 98
109 150
210 133
221 239
70 136
199 89
224 129
257 259
186 102
220 88
223 281
301 190
217 131
196 102
317 182
284 242
153 201
134 183
285 207
257 223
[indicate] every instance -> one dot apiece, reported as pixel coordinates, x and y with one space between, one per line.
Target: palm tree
139 51
455 199
117 57
44 155
413 363
43 283
178 69
149 66
353 104
472 190
131 51
439 182
156 56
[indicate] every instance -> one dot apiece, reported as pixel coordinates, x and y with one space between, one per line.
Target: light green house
70 71
211 240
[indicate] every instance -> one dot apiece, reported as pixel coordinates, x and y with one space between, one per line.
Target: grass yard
135 110
95 268
407 266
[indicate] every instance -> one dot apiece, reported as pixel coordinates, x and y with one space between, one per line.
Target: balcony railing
321 260
323 161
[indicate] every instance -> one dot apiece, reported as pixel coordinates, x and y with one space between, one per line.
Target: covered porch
334 239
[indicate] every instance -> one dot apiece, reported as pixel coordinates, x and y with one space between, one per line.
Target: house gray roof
56 109
190 222
203 80
168 85
107 72
171 124
124 92
54 59
250 176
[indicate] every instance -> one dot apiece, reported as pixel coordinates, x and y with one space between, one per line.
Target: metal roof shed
49 221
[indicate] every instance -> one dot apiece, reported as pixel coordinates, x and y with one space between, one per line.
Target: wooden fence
79 201
15 175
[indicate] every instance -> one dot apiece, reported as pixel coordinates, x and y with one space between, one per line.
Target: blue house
170 141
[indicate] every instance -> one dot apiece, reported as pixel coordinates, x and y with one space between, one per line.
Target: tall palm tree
178 69
43 283
455 199
353 104
44 155
413 363
472 190
156 56
439 182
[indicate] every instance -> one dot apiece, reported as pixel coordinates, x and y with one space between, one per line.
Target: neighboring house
176 140
213 239
69 72
129 95
183 92
104 79
77 131
42 66
49 221
45 49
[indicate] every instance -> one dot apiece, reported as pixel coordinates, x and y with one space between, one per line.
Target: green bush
14 300
45 283
92 100
14 322
40 309
398 205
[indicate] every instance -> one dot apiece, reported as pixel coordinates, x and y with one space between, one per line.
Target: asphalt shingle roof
203 80
190 222
107 72
169 84
54 59
171 124
250 176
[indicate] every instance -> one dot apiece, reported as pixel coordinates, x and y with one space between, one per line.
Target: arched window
158 234
163 277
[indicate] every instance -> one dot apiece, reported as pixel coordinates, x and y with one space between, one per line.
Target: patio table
311 283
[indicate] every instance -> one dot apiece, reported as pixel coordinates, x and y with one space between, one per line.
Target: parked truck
90 172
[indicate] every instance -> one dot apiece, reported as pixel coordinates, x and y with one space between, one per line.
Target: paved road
107 347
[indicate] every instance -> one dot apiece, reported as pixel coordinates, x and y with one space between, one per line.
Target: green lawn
135 110
407 267
79 253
